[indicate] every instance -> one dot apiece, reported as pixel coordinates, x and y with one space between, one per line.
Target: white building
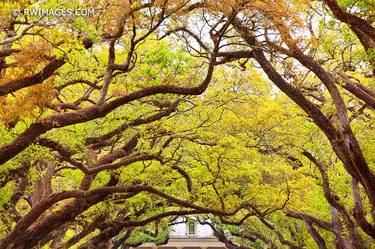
189 235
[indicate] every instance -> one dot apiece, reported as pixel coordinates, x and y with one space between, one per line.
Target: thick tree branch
26 138
38 78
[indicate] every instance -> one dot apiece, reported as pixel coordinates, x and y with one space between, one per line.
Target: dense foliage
256 116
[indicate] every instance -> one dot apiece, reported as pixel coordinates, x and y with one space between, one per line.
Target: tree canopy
256 116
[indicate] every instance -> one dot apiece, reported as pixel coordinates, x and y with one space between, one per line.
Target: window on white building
191 228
